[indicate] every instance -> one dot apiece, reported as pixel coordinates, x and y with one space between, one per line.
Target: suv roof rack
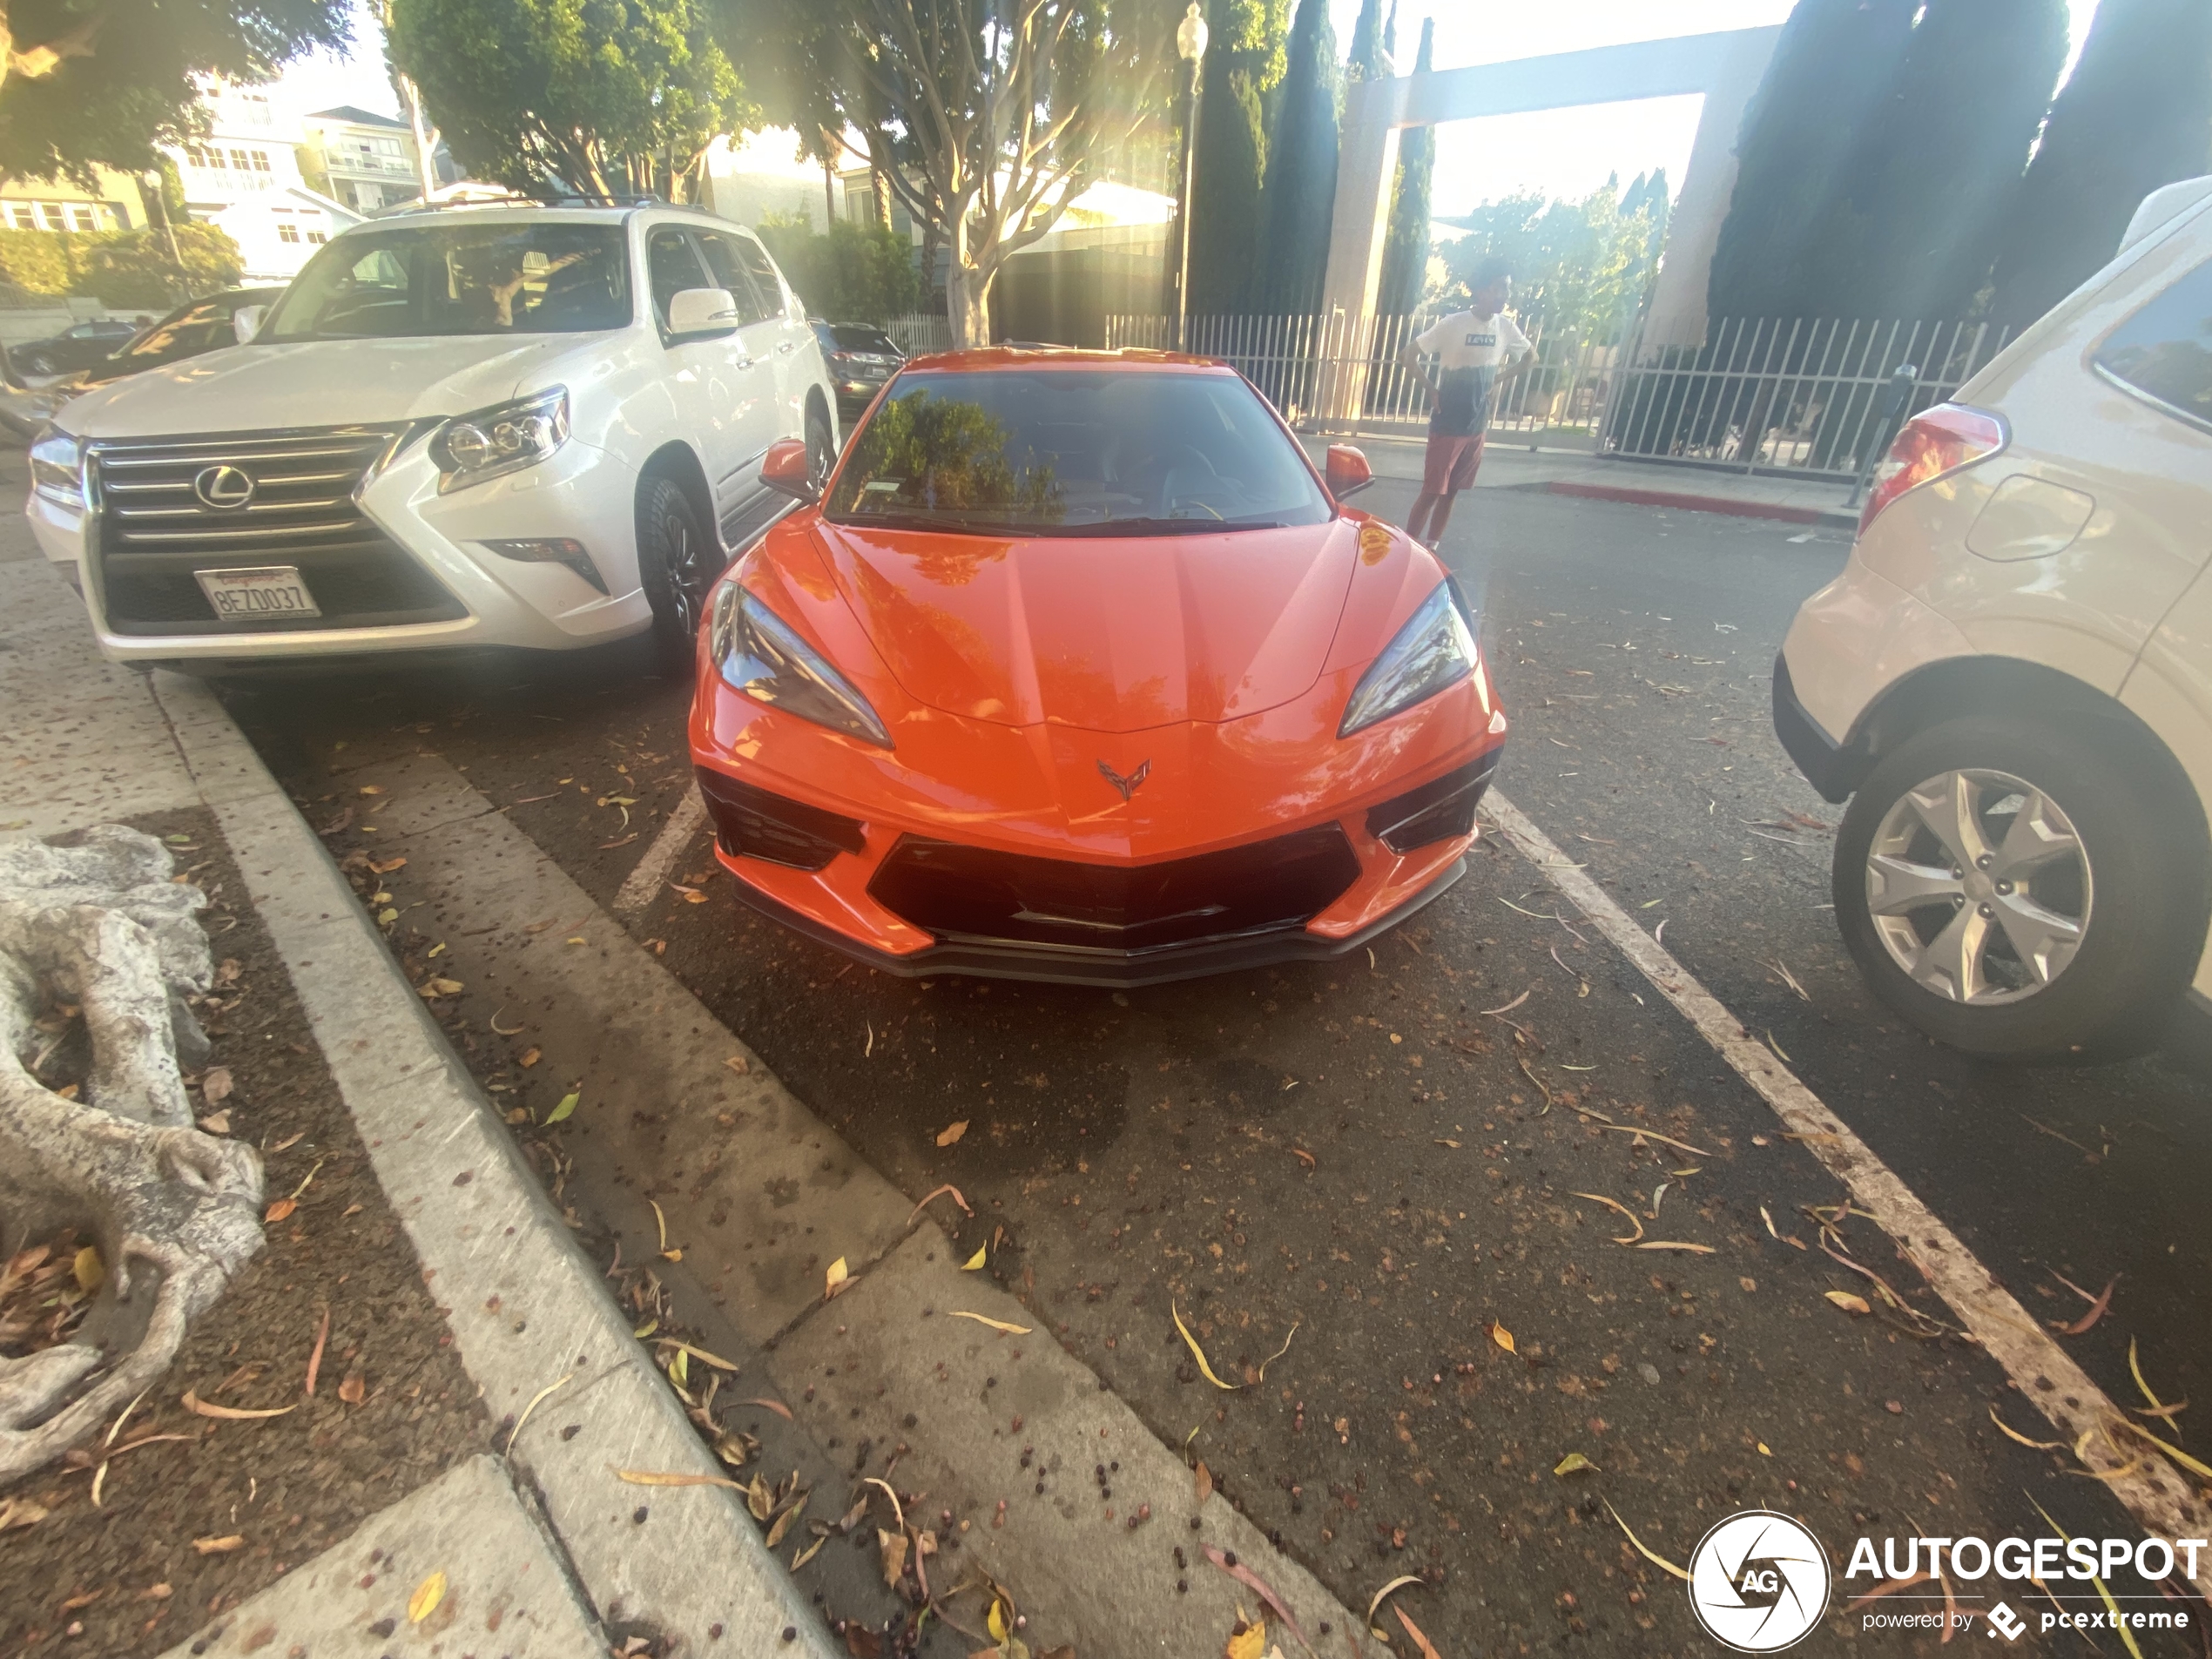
565 198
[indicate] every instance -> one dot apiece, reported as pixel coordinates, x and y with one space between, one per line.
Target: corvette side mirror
786 470
1346 470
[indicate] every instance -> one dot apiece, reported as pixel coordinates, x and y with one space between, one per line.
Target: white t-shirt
1469 350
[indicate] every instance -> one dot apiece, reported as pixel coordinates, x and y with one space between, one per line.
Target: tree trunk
968 303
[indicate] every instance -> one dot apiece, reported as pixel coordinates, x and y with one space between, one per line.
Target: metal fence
1804 397
923 332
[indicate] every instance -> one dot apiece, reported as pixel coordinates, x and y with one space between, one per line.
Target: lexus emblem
1129 785
223 487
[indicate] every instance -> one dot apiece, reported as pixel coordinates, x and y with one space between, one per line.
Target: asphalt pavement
1361 1185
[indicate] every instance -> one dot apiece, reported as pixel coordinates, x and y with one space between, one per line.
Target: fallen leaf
759 1499
1259 1586
86 1268
424 1602
786 1521
1427 1647
1849 1303
315 1356
355 1387
436 987
531 1057
692 895
938 1192
218 1546
1614 1203
1574 1463
199 1407
1303 1156
808 1553
385 866
1658 1560
215 1085
836 1279
1676 1244
1202 1482
1197 1351
2096 1311
279 1211
952 1132
216 1123
1502 1337
892 1547
1246 1641
976 1260
561 1113
1280 1352
995 1325
775 1406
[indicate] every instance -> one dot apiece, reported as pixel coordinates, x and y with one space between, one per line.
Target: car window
85 330
545 276
857 337
722 261
671 267
183 334
755 259
2164 351
1073 452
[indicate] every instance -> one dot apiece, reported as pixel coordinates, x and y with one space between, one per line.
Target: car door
798 362
725 398
761 331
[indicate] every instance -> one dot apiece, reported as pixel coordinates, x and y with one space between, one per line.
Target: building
243 175
362 159
113 203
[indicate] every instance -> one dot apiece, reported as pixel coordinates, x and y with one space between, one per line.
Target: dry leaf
837 1279
86 1268
216 1123
786 1521
315 1356
808 1553
435 987
952 1132
1202 1480
759 1499
218 1546
531 1057
1427 1647
938 1192
1398 1583
1197 1351
775 1406
424 1602
1259 1586
1246 1641
1574 1463
1676 1244
192 1403
893 1548
975 1261
2096 1311
1614 1203
995 1325
1658 1560
1849 1303
655 1478
280 1210
355 1388
215 1085
1502 1337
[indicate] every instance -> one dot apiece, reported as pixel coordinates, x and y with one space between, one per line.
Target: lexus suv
508 425
2012 680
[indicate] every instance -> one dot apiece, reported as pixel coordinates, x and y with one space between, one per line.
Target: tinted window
2164 351
754 258
182 334
722 261
1073 452
857 337
472 277
672 267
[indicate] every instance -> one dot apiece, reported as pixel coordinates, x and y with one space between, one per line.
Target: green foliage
2136 113
1835 63
949 455
1300 198
1245 58
1366 61
1404 262
856 274
126 269
1579 267
124 81
597 96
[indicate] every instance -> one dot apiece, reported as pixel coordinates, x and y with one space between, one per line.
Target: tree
2136 113
855 274
1914 240
106 86
1299 200
1404 262
1579 266
1244 61
596 97
986 118
1367 60
1834 64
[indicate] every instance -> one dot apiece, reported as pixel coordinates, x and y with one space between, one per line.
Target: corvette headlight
58 467
504 438
760 654
1435 650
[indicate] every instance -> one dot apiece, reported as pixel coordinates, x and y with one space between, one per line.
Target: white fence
922 332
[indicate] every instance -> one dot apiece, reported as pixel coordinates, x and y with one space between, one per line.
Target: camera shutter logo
1758 1581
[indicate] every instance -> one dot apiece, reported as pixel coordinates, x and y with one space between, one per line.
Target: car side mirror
695 313
788 471
246 321
1346 470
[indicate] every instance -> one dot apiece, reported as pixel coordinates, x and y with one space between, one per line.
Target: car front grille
751 822
1437 810
155 531
970 895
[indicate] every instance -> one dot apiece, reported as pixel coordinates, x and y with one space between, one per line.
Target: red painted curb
1692 503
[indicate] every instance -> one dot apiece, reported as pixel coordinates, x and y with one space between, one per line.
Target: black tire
821 449
678 559
2137 892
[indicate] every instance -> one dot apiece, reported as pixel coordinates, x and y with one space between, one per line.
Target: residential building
368 159
54 205
243 174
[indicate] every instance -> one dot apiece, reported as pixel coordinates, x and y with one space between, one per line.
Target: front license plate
265 594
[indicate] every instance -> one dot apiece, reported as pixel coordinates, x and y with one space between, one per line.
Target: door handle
742 362
788 345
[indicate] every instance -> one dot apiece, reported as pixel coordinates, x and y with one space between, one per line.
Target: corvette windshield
537 277
1073 452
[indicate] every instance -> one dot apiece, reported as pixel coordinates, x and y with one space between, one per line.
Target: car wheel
2022 891
821 450
677 562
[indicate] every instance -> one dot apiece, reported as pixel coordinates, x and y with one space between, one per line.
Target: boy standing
1470 347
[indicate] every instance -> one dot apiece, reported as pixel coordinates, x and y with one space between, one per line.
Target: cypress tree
1390 35
1834 62
1404 265
1365 62
2136 113
1300 195
1245 58
1915 239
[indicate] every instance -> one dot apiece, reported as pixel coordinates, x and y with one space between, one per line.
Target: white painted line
641 883
2158 1496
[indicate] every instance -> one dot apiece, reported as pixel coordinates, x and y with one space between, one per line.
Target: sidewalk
1506 465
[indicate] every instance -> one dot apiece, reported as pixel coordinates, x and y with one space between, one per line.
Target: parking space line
2153 1491
641 883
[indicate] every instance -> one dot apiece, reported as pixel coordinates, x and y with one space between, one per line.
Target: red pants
1451 462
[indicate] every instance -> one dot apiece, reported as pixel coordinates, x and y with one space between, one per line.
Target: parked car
2012 680
198 326
862 358
77 346
1078 671
500 425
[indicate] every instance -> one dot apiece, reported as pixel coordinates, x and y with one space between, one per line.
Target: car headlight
58 467
504 438
1435 650
760 654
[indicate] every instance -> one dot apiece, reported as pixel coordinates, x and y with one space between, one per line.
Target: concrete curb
532 1320
1691 503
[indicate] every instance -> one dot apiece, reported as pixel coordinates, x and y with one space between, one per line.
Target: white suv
2012 680
524 426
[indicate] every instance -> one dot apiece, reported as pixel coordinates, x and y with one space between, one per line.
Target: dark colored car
860 357
198 326
77 347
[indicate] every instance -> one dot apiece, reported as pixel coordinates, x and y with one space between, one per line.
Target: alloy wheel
1978 886
687 575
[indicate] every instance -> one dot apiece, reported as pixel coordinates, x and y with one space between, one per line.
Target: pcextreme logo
1758 1581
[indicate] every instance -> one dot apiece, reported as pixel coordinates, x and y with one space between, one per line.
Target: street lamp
1190 43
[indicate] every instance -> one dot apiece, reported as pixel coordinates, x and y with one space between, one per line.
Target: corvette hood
314 382
1109 636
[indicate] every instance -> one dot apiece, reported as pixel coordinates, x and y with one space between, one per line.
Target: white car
507 425
2012 680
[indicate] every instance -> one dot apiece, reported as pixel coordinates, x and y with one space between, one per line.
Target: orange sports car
1074 669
